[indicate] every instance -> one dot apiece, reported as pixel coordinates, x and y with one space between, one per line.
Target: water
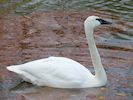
39 35
121 10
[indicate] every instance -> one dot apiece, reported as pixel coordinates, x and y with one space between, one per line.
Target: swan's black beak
103 21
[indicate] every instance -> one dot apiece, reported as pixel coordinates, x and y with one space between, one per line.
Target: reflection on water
63 94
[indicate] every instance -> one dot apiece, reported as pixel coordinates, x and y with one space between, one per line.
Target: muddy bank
39 35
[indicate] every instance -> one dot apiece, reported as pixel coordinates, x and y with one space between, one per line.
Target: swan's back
53 71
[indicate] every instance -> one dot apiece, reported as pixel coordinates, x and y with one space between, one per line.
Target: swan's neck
98 67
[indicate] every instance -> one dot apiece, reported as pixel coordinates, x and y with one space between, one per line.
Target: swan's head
94 21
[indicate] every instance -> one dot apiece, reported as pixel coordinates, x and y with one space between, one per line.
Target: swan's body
57 72
61 72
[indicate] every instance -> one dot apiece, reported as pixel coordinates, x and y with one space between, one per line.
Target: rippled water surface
26 35
121 10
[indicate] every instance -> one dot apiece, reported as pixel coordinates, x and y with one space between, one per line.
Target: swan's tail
14 68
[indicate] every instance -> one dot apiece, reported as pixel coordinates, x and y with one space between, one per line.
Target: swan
62 72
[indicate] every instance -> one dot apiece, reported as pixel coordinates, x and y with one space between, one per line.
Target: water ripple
121 9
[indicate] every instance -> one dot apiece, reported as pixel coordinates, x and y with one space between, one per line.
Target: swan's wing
54 71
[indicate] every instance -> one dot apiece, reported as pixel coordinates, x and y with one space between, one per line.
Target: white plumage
53 71
61 72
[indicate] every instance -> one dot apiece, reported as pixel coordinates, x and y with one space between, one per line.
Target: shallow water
121 10
40 35
58 31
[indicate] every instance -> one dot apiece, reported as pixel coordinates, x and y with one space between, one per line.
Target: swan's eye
103 21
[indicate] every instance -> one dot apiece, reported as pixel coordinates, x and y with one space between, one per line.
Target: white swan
61 72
